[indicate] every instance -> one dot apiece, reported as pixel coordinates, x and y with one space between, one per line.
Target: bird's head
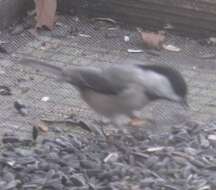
164 82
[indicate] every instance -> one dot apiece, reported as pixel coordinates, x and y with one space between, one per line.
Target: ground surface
83 42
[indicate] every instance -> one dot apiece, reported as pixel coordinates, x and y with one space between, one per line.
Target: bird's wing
95 80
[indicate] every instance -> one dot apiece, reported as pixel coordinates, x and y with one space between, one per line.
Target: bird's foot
138 122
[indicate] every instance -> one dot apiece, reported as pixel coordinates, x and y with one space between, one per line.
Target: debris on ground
5 91
20 107
70 123
151 39
126 38
168 26
173 160
104 23
42 127
170 47
45 98
211 41
208 56
134 50
104 19
84 35
112 157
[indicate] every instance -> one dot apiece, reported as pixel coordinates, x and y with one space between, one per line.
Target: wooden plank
196 16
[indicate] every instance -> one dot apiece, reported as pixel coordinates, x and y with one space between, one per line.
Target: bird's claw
136 122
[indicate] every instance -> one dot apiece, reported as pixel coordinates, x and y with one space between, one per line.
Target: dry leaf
151 39
42 127
46 10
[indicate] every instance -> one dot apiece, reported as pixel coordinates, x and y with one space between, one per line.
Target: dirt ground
82 42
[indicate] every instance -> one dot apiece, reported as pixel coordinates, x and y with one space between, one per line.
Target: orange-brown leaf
152 40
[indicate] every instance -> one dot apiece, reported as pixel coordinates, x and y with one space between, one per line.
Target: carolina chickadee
120 89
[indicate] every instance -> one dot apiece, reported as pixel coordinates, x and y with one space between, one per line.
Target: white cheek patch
158 84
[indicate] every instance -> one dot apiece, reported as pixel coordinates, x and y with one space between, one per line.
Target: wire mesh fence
83 43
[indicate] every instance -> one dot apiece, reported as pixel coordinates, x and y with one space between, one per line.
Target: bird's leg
136 122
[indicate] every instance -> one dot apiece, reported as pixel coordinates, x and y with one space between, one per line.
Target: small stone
21 108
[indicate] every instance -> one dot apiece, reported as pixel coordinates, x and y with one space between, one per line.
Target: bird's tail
57 71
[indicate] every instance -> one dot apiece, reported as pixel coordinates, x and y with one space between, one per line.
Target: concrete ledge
12 10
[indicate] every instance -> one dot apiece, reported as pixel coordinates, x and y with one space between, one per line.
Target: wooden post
45 10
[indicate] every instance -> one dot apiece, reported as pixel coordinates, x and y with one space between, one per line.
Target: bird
120 90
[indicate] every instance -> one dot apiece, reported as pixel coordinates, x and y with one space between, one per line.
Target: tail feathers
57 71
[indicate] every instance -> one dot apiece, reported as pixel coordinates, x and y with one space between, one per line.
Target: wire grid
97 46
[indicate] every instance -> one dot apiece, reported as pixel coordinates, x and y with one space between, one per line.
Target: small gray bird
120 90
